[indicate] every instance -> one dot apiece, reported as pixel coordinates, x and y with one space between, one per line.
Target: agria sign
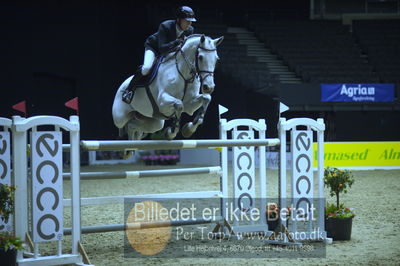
357 92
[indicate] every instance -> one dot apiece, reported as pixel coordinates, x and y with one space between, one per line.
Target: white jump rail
121 145
147 173
143 225
120 199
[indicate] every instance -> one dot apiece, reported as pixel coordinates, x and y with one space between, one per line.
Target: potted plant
338 218
9 244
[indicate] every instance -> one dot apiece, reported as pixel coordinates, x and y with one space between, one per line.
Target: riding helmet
185 12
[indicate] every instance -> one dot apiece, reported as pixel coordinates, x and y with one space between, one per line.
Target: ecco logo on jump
244 173
4 167
47 174
302 169
5 176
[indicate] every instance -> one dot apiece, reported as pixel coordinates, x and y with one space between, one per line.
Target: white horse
175 89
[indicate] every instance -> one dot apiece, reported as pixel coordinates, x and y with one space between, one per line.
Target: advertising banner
357 92
361 155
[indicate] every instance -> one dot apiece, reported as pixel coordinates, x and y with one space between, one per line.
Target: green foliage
332 211
338 181
6 201
7 240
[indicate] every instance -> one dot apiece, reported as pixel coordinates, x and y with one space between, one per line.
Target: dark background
52 51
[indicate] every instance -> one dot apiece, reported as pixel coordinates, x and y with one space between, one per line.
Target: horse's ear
218 41
203 38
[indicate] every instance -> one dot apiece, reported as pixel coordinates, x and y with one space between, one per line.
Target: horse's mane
193 36
170 54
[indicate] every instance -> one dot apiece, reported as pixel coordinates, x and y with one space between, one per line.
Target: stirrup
127 96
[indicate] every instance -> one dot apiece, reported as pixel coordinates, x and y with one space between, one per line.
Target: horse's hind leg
136 135
138 128
200 105
133 134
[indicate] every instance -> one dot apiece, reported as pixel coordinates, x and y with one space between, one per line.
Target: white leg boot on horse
198 106
189 128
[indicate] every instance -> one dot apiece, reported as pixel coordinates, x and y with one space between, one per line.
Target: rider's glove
178 42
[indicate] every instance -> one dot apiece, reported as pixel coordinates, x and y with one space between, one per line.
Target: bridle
198 70
195 70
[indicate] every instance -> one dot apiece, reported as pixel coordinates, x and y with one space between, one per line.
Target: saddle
146 80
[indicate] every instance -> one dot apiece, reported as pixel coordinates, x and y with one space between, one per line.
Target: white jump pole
121 199
142 225
21 194
147 173
95 145
321 195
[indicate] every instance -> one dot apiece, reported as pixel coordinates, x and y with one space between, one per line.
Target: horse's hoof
128 154
186 130
198 120
169 134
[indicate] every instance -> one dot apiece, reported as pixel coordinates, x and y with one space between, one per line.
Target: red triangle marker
73 104
21 106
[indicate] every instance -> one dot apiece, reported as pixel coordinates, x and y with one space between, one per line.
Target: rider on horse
170 34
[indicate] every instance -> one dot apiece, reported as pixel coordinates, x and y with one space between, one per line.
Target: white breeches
149 57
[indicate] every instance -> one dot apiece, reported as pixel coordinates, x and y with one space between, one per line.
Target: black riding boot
127 95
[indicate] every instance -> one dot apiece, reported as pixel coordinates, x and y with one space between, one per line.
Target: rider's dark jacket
164 39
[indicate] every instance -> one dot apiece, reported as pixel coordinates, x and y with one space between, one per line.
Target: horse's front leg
199 104
171 107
